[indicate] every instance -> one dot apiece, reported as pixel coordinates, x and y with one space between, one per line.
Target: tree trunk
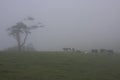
18 41
24 40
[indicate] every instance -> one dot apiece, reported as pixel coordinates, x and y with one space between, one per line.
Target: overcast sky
81 24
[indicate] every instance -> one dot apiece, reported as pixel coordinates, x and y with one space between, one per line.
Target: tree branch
26 34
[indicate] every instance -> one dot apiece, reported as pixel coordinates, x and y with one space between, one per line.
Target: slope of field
59 66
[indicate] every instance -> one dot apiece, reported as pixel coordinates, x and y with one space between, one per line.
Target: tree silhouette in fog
20 31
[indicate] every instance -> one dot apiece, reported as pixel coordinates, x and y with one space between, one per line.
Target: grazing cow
106 51
94 51
85 52
103 50
69 49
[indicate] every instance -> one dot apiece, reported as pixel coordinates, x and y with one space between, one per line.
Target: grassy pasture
59 66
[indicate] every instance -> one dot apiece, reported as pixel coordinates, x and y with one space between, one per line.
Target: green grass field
59 66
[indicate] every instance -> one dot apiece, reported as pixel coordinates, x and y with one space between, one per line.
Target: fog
79 24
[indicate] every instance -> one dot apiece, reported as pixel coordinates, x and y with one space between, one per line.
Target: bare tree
20 31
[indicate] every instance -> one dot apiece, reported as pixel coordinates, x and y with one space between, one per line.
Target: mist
79 24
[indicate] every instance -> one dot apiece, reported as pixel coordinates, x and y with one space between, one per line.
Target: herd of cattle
91 51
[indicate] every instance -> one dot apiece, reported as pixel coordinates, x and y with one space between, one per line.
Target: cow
68 49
